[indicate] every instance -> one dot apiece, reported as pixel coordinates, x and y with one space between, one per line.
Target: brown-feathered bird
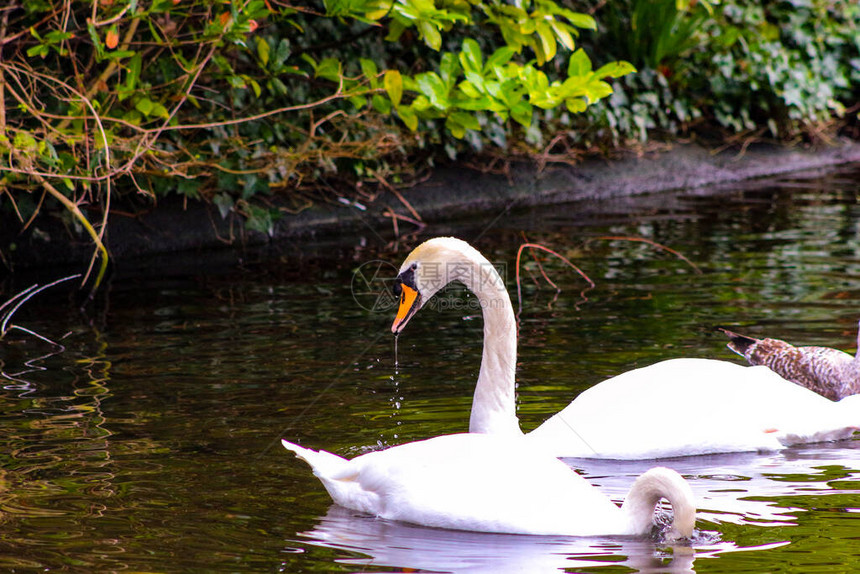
829 372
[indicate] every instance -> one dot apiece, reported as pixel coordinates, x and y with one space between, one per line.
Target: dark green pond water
151 443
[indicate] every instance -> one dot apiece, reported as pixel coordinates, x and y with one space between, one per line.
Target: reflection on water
370 542
381 543
151 442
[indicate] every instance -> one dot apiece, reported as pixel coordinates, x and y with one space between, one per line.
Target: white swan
488 483
673 408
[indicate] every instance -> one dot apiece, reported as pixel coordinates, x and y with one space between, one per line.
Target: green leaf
500 57
278 86
576 105
119 54
133 117
24 141
467 120
133 75
457 129
188 187
40 50
370 71
522 113
381 104
563 34
421 103
330 69
395 30
160 111
579 64
470 56
430 33
394 86
408 117
580 20
615 69
598 90
224 203
469 90
283 52
449 67
144 106
263 50
547 41
432 86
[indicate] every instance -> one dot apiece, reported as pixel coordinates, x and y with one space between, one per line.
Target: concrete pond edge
175 226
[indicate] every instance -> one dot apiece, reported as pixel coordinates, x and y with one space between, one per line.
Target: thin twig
21 298
398 195
533 246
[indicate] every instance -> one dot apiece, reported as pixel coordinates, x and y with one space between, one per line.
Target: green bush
780 67
233 101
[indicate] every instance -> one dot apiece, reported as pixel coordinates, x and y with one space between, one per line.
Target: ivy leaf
224 203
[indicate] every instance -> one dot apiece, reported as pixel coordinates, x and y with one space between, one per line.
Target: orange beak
409 303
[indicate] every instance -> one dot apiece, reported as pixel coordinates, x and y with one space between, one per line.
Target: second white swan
673 408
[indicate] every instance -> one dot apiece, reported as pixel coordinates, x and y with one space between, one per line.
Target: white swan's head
430 267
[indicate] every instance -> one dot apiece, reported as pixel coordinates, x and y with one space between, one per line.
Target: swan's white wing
690 406
485 483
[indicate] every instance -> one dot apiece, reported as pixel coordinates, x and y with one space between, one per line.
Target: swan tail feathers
323 463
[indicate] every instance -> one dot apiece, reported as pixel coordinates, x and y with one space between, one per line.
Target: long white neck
646 492
494 405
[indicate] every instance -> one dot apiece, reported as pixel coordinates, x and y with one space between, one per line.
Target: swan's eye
414 266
